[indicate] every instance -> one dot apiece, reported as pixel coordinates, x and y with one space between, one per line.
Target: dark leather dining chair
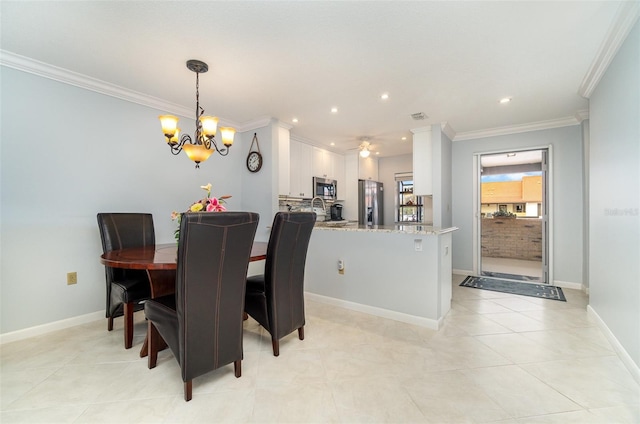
126 288
202 322
276 298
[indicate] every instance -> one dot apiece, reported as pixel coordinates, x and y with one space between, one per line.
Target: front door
512 215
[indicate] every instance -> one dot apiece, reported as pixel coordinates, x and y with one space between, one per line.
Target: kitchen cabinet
301 170
423 161
329 165
322 163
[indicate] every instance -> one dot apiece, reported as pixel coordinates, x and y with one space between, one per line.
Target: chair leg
152 342
188 386
110 324
245 316
128 325
301 333
276 347
237 367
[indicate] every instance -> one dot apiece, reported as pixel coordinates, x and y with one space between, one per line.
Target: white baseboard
379 312
569 285
628 362
49 327
463 272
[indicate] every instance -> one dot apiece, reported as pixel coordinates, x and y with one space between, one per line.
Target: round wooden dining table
160 263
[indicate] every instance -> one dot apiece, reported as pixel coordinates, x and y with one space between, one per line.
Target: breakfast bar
402 272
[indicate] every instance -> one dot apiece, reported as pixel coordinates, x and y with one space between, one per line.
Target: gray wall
614 226
566 174
69 153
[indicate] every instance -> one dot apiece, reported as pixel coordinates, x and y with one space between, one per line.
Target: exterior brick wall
512 238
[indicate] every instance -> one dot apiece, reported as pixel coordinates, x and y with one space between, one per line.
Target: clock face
254 161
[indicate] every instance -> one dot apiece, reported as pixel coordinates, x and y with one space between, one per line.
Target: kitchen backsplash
296 204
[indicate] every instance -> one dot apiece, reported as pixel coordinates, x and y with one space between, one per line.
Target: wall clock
254 158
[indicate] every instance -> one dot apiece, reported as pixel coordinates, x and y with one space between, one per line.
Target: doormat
543 291
501 275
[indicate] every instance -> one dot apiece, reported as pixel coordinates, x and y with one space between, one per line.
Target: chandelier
203 143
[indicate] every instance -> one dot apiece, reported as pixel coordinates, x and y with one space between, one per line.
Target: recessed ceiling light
384 96
377 153
334 110
333 144
295 120
505 100
404 138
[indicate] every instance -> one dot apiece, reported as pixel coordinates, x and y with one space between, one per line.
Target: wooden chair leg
128 325
152 343
276 347
188 386
237 367
301 333
110 324
245 316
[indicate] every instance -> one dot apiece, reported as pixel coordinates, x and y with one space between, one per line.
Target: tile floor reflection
498 358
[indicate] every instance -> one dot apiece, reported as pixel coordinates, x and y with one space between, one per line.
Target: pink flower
213 205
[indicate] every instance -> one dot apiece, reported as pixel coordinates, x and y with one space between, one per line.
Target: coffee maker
336 212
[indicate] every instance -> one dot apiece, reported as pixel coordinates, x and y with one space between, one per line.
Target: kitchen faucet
324 206
321 214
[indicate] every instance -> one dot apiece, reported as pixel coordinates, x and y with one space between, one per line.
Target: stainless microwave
325 188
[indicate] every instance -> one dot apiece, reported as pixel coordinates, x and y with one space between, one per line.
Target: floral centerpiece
207 204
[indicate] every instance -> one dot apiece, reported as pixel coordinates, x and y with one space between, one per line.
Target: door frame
547 224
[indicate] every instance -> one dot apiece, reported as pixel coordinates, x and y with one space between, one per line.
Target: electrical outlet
72 278
341 267
417 243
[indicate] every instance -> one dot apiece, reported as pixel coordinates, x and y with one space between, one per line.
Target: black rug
543 291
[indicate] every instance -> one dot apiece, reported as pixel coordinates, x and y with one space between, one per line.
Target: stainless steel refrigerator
370 202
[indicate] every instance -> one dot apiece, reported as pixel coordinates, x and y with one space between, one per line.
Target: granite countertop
395 228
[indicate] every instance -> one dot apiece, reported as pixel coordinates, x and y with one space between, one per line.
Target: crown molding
420 130
65 76
582 115
254 124
446 128
300 139
625 19
516 129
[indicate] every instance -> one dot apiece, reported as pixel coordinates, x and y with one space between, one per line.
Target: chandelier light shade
203 143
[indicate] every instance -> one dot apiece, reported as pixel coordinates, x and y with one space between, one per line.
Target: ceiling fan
365 147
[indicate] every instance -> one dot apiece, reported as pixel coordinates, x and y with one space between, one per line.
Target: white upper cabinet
422 162
301 170
323 163
329 165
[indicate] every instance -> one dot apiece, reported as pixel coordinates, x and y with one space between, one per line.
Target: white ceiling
451 60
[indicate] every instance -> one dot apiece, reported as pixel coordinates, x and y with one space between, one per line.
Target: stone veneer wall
512 238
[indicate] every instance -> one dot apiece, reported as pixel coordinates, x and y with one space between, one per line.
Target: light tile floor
498 358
